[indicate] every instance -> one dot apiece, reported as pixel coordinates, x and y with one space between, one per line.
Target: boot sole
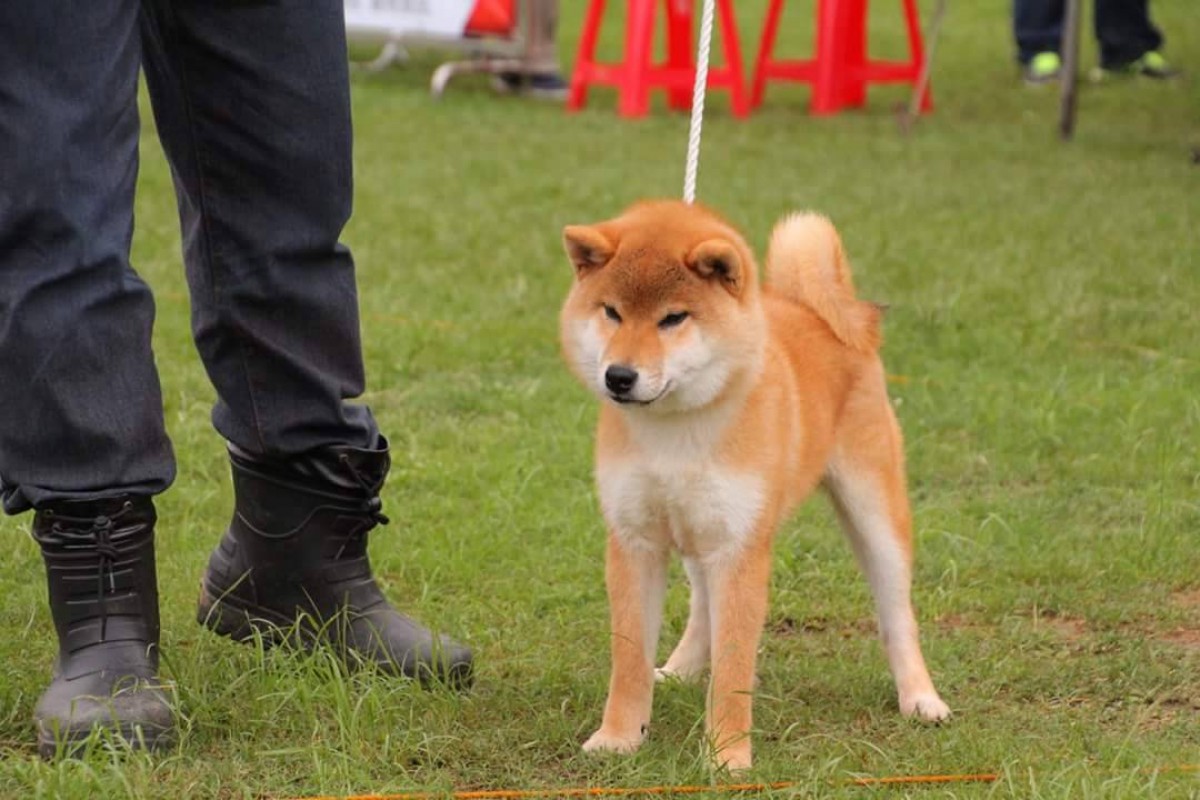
234 619
71 744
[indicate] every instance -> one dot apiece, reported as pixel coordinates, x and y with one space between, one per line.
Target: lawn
1043 343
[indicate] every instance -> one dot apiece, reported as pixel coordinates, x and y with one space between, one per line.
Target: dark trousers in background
1123 29
251 102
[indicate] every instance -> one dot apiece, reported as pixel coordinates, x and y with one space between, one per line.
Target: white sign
409 17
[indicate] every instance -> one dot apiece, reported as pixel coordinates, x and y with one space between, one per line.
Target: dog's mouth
626 400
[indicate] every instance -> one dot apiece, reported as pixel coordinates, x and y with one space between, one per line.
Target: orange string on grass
652 791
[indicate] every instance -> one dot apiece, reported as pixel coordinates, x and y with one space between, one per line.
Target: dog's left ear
587 248
719 259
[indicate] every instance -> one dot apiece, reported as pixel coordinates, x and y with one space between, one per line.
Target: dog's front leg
738 601
636 576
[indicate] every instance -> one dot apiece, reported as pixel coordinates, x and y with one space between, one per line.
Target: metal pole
909 115
1070 70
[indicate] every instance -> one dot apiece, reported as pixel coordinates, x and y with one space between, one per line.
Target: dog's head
664 313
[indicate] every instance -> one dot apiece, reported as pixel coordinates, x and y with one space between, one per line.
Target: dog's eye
671 320
611 313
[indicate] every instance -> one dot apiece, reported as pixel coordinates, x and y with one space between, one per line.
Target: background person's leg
546 81
1125 32
542 50
1037 27
81 406
253 110
540 75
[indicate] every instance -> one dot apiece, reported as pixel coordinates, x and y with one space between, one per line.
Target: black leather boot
294 563
104 600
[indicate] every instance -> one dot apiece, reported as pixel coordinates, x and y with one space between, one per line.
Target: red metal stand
840 71
637 74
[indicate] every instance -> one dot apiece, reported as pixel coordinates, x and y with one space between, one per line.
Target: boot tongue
94 524
84 514
357 470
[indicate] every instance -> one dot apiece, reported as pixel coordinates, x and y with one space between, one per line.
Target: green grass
1045 347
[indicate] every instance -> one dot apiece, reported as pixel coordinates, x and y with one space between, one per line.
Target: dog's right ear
587 248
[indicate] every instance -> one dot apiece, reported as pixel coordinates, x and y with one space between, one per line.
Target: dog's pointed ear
720 260
587 248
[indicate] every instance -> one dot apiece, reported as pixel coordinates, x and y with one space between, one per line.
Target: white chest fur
670 498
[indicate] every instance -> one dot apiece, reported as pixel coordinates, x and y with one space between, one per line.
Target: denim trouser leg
1124 31
252 102
1037 27
80 405
252 105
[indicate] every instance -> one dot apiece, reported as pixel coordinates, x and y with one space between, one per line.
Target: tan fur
806 263
738 412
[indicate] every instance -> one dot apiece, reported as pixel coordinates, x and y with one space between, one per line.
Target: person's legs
81 406
81 431
1125 32
253 108
541 76
1037 27
543 36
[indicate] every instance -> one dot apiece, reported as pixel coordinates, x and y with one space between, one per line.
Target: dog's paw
666 673
926 706
733 759
603 741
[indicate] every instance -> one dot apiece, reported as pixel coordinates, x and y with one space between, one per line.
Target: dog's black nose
619 379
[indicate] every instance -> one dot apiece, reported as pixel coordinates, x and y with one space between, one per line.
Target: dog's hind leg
636 578
690 656
866 481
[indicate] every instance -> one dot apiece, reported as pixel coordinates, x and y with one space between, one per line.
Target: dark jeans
1123 29
251 101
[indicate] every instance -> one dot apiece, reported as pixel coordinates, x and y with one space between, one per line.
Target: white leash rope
699 90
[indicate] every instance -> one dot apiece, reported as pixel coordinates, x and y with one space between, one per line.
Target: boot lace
371 506
69 533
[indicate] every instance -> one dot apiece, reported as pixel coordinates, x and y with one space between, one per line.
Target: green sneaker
1043 68
1151 64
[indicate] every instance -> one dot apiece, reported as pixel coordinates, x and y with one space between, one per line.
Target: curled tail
806 264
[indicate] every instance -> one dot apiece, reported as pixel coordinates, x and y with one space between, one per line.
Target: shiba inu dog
725 405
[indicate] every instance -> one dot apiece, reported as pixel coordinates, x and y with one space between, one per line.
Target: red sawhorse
840 71
638 74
